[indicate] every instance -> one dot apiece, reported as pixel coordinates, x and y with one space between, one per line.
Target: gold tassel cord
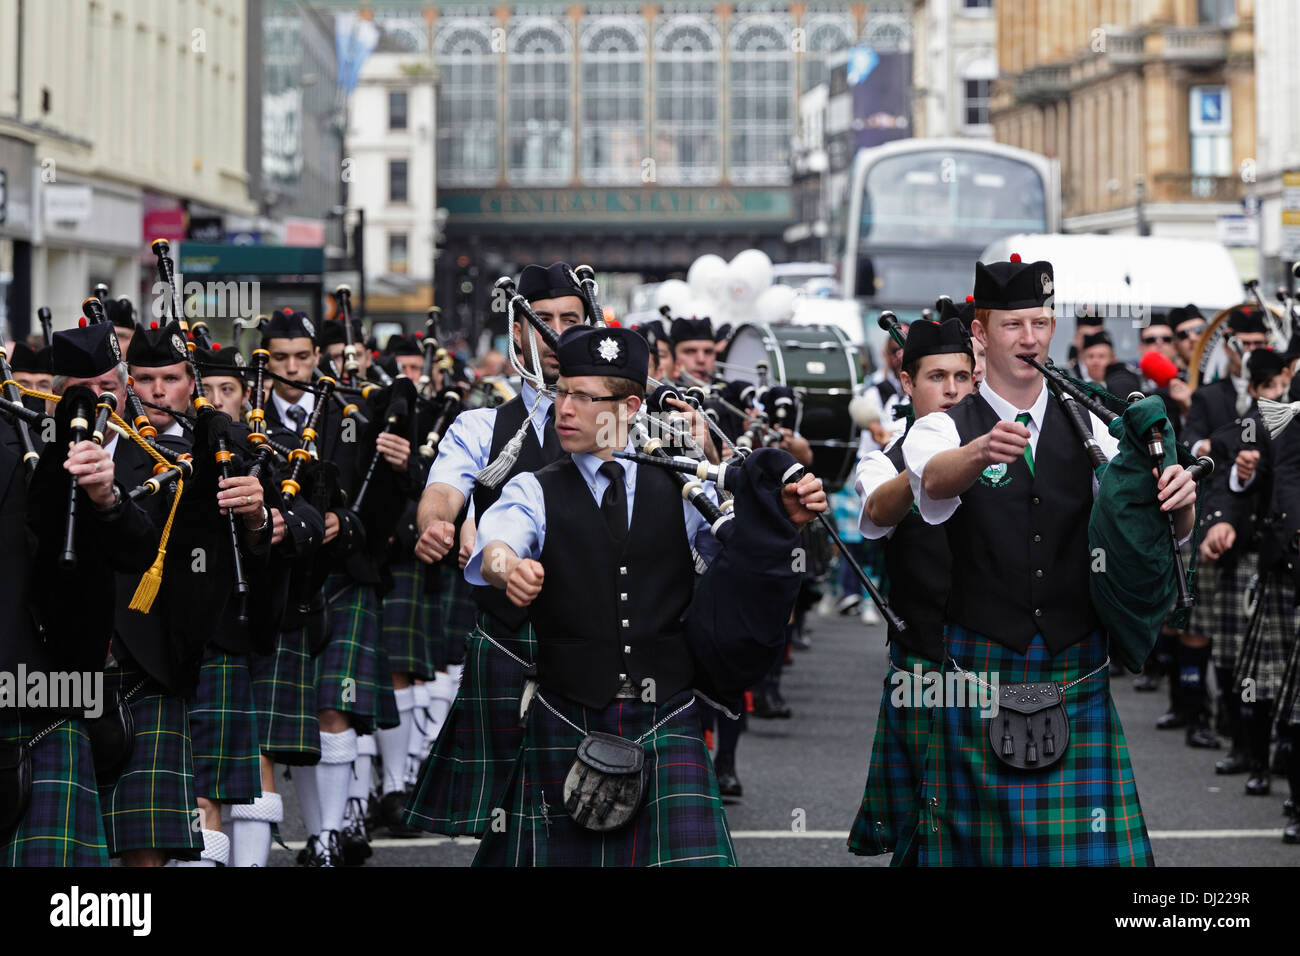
147 590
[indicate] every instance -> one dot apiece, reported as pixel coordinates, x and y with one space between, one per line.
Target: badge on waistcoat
995 476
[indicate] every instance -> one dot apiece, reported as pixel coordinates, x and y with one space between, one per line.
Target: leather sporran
1031 729
15 783
606 783
112 737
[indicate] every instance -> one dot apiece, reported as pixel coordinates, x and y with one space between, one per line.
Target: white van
1127 278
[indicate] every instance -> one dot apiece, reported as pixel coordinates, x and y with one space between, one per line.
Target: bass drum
821 365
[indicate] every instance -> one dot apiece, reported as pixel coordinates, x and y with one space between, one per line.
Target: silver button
623 596
1038 573
627 648
622 677
1037 538
1036 501
1038 612
622 570
625 624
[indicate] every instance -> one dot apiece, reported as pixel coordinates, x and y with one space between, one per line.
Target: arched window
539 115
824 33
889 27
687 147
761 96
612 129
468 119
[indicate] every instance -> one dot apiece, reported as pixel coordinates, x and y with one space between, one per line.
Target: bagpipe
1138 574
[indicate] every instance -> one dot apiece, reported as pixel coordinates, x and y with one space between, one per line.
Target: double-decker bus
922 210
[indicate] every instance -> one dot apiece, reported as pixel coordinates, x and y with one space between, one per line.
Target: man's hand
242 495
804 500
524 582
395 449
879 433
1218 541
277 526
468 532
93 468
435 541
1246 463
331 527
1176 489
1004 443
699 428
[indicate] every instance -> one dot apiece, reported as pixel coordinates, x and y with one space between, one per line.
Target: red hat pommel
419 334
970 298
216 346
287 311
153 325
1015 257
81 322
374 353
614 323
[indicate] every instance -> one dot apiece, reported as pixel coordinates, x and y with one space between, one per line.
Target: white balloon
673 293
775 304
749 274
708 277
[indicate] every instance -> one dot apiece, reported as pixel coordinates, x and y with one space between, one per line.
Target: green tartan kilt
223 731
1220 612
681 821
63 825
459 614
891 799
410 621
1288 701
1270 637
285 695
462 779
152 804
1081 811
352 673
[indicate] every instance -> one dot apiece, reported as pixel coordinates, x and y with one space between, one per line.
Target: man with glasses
1217 403
1188 325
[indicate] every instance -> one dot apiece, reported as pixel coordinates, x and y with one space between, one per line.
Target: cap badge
1046 280
608 349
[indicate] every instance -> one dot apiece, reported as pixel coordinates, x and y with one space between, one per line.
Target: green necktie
1023 418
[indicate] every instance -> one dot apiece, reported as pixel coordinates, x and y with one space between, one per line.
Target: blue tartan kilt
285 695
1081 811
681 821
63 825
352 672
462 779
411 621
223 731
459 614
152 804
891 798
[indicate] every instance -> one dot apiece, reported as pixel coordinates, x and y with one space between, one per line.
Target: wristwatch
266 520
113 510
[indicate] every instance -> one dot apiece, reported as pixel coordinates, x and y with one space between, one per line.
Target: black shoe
323 850
1232 764
769 705
1292 832
354 839
391 809
1171 720
1145 682
728 783
1259 783
1201 737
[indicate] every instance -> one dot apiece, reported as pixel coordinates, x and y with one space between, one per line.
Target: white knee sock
216 850
393 741
359 785
420 741
441 695
304 781
250 828
333 773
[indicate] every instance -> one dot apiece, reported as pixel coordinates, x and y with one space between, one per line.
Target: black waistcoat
608 611
919 565
532 457
1020 542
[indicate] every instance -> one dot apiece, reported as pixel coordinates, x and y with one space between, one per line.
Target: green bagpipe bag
1132 583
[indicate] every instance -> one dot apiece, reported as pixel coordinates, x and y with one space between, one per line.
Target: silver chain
1064 687
547 704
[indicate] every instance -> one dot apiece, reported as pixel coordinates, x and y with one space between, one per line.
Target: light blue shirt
463 451
518 518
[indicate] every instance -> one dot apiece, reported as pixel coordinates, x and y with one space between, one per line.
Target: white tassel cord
496 471
1277 415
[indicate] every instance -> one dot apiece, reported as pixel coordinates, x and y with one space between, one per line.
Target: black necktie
614 504
550 440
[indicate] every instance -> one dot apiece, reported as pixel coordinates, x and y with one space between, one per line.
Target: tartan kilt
1081 811
459 614
1288 706
152 804
223 731
1221 613
680 823
462 779
1269 637
63 825
410 621
284 692
891 799
351 672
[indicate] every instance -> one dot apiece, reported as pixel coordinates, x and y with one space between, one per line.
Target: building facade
150 116
1148 104
954 64
1277 174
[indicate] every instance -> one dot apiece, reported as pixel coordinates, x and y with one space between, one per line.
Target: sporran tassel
1277 415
